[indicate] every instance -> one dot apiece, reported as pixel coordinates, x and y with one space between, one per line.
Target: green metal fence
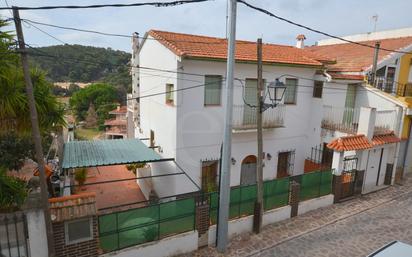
315 184
137 226
243 198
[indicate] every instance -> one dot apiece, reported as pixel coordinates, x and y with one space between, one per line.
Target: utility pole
257 219
224 190
35 131
375 62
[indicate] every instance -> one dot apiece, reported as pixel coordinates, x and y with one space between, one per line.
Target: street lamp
275 90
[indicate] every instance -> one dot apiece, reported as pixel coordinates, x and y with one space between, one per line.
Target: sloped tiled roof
357 58
350 143
346 76
195 46
387 138
120 110
115 122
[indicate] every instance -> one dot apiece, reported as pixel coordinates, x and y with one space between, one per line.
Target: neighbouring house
318 108
116 128
390 86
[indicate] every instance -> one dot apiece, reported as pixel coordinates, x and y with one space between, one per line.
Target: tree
13 191
73 88
102 96
14 150
91 118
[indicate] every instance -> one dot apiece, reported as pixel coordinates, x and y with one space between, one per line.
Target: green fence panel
247 200
107 223
137 217
310 184
139 235
213 206
109 242
177 217
326 183
234 203
276 193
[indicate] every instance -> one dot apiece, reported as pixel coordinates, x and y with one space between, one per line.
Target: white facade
191 132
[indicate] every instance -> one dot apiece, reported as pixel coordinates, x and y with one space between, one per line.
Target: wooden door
283 164
248 170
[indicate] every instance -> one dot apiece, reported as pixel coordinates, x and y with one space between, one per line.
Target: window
317 89
77 231
286 162
291 91
213 90
209 175
169 94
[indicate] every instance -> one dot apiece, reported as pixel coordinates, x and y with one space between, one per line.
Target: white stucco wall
245 224
171 246
36 230
314 204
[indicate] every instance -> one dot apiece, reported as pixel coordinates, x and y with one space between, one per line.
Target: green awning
107 152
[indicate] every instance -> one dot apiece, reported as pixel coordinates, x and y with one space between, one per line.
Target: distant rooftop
378 35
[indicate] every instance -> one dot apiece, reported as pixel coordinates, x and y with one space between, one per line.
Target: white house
186 123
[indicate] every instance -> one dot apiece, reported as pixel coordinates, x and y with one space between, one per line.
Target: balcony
392 87
346 120
385 121
244 117
342 119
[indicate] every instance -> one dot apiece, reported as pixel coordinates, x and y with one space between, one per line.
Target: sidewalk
275 234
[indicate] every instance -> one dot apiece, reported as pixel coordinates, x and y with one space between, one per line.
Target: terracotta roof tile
346 76
351 57
195 46
350 143
121 110
115 122
387 138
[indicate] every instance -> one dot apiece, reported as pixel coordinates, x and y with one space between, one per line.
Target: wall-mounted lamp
233 161
268 156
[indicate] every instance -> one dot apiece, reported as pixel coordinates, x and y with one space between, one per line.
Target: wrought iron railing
13 235
244 117
342 119
391 86
385 121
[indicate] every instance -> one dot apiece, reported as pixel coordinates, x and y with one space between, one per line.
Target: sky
338 17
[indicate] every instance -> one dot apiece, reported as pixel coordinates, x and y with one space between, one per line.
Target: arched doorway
248 170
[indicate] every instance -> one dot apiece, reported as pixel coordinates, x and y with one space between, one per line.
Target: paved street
353 228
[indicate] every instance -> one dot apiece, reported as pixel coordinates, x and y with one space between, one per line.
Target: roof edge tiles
350 143
79 154
213 48
388 138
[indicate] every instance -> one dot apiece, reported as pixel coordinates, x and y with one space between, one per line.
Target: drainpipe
375 62
407 145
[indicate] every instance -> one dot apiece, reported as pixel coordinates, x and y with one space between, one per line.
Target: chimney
375 63
300 41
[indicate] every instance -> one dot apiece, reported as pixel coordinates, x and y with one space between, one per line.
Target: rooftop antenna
375 19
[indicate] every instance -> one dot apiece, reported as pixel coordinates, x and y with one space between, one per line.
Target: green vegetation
87 134
134 166
101 96
80 175
13 191
14 150
77 63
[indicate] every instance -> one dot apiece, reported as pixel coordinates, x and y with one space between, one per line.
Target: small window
286 162
213 90
291 91
170 94
209 176
78 231
317 89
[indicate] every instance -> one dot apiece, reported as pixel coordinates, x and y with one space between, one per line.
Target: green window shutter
213 90
291 91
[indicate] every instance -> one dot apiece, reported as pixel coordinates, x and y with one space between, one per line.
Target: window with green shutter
291 91
213 90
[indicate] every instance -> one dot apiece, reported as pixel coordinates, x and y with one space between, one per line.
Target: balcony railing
385 121
342 119
244 117
392 87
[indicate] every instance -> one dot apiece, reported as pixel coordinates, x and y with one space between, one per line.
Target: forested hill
77 63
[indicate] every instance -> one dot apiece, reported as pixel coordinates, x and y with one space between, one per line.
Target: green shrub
13 191
80 175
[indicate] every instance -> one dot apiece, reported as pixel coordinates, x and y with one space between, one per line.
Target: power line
154 4
314 30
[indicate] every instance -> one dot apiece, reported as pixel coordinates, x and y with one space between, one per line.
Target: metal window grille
13 231
213 90
317 89
291 91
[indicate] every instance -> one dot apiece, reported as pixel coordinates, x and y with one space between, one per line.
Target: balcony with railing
392 87
244 117
385 121
342 119
347 120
